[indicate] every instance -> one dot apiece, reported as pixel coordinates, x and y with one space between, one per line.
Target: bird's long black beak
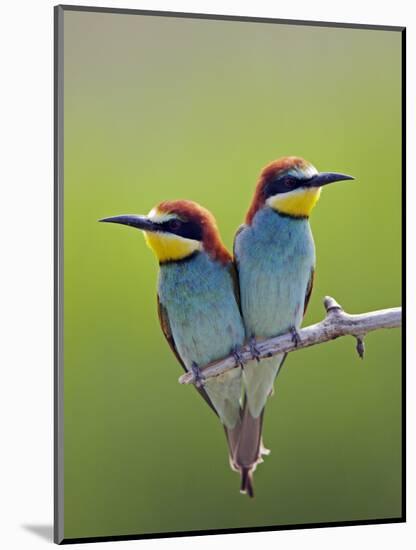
323 178
140 222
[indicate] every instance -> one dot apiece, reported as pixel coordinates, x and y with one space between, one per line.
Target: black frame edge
176 534
404 263
58 523
222 17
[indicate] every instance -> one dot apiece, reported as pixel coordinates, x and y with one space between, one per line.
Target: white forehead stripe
159 217
303 173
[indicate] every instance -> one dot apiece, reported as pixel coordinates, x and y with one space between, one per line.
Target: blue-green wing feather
165 326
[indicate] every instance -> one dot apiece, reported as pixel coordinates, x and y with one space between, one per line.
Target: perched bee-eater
275 259
197 300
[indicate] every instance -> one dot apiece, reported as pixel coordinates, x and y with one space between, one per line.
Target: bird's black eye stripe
283 184
186 229
174 224
290 181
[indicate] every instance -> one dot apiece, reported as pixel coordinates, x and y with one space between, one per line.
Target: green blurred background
163 108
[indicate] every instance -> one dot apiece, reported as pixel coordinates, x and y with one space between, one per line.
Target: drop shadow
43 531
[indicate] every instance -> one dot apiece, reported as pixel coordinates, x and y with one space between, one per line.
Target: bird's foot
198 376
255 354
238 356
295 336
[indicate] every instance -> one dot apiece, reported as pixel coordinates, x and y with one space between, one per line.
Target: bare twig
336 323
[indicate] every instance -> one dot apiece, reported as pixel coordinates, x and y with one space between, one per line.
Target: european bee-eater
197 300
275 259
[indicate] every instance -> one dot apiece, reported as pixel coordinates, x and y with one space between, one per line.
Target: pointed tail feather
248 452
247 482
246 447
233 436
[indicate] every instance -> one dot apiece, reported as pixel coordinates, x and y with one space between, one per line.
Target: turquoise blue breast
204 317
275 256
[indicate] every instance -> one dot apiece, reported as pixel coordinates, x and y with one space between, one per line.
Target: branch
336 323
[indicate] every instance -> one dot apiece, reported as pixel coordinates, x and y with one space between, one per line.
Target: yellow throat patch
170 247
298 203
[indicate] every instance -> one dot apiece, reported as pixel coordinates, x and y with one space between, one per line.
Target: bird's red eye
174 224
289 182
